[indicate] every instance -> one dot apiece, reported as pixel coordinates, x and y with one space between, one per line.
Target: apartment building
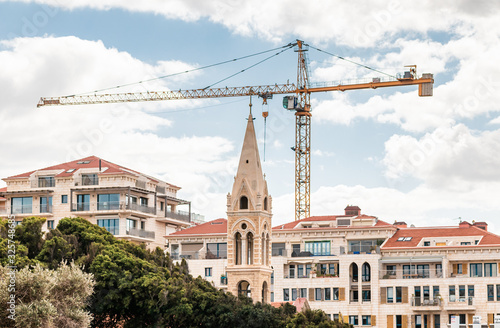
129 204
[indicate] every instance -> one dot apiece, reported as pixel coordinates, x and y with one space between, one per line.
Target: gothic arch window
264 292
265 204
237 248
365 272
354 272
267 249
243 203
263 253
244 288
249 248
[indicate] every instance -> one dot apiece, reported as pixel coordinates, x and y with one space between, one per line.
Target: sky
422 160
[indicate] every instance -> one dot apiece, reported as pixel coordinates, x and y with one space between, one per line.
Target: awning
412 259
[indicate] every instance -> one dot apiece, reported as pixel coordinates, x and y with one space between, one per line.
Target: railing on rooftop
141 233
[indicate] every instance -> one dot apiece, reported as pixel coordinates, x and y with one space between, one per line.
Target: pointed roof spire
249 167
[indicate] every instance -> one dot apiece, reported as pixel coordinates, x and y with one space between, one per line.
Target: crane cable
288 46
353 62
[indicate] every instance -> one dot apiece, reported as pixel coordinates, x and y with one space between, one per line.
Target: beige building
129 204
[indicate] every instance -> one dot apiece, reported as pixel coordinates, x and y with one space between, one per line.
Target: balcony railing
178 216
278 252
140 184
461 300
160 190
412 274
107 206
419 301
80 207
44 208
141 233
90 180
212 256
195 255
141 208
23 209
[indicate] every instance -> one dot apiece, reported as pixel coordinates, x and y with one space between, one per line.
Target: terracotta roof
300 303
352 207
293 224
93 162
417 234
218 226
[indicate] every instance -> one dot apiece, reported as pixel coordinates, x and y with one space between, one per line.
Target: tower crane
300 102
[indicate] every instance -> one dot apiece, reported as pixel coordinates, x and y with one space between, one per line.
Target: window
112 225
353 320
216 251
331 269
20 205
498 293
490 269
64 199
427 243
303 292
243 203
308 270
286 295
418 321
143 201
335 294
46 204
162 206
491 293
391 270
272 296
131 224
476 270
426 293
300 271
365 272
317 294
83 202
50 224
459 268
328 294
90 180
399 321
435 292
322 269
439 270
295 249
318 248
452 293
390 295
208 272
294 294
362 246
463 243
272 278
355 295
437 321
108 202
470 289
366 295
366 320
143 225
335 317
278 249
44 182
399 294
291 271
461 293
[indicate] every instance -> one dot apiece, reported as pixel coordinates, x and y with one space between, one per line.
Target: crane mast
300 103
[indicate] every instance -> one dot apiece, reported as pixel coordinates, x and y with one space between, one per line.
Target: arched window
354 272
249 248
267 249
365 272
264 292
237 248
265 204
243 203
244 288
263 250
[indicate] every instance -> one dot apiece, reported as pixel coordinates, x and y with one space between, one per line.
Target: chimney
352 210
464 224
480 225
99 165
400 224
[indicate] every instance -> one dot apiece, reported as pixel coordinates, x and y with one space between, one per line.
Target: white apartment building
129 204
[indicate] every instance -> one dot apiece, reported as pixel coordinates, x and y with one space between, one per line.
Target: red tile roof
417 234
300 303
293 224
93 162
214 227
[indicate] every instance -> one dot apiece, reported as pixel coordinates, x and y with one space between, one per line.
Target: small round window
243 226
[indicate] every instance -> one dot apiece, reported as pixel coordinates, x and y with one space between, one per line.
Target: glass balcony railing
419 301
107 206
45 208
141 233
22 209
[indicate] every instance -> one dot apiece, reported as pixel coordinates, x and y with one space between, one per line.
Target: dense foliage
135 287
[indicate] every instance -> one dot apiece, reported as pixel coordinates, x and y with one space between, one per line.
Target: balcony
212 256
141 233
178 216
22 209
186 255
44 208
141 208
410 274
108 206
80 207
460 304
425 304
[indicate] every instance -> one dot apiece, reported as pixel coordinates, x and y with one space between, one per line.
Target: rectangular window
452 293
303 292
322 269
399 294
83 202
335 317
272 296
162 206
112 225
20 205
437 321
408 271
295 250
335 294
366 320
272 278
418 321
216 251
278 249
143 201
459 268
461 293
435 292
439 270
328 294
291 271
64 199
46 204
143 225
318 248
390 295
50 224
317 294
131 224
391 270
355 295
399 321
300 271
286 294
470 289
476 270
427 243
308 270
353 320
423 270
208 272
106 202
294 294
90 180
426 293
46 182
491 293
331 269
498 293
366 295
490 269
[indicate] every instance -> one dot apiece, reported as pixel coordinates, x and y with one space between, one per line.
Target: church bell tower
249 225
